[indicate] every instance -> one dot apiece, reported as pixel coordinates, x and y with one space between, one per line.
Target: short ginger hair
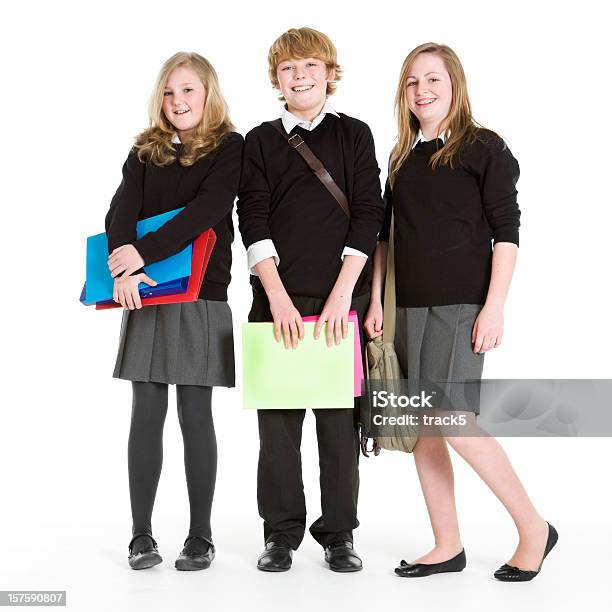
300 43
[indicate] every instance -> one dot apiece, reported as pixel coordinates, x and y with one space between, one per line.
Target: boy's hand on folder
336 314
125 290
124 259
288 319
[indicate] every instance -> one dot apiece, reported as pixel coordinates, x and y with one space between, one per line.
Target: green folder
311 376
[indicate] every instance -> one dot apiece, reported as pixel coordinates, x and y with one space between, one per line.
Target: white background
76 78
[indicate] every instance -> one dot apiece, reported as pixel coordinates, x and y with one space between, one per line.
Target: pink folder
358 363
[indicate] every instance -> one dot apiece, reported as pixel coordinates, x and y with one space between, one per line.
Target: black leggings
145 452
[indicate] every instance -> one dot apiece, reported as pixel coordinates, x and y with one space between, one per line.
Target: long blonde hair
155 143
459 125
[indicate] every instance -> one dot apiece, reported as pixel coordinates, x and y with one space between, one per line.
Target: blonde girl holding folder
188 156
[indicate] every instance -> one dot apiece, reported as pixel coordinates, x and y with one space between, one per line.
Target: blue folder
99 283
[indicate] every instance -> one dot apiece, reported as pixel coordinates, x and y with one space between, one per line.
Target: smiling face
303 83
429 92
184 99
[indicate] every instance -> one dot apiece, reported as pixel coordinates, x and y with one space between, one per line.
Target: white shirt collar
290 120
175 139
420 137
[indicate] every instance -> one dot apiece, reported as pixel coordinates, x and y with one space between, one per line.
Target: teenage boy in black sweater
307 257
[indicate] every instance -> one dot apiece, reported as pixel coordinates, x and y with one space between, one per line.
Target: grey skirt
434 343
181 344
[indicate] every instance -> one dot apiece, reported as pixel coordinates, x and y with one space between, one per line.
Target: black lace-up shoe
341 557
275 558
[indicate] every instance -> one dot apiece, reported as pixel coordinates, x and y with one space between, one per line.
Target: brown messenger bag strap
315 164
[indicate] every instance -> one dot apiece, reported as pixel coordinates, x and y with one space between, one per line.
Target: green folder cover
311 376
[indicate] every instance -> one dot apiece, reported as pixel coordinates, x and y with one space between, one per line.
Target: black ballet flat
145 558
197 554
417 570
510 573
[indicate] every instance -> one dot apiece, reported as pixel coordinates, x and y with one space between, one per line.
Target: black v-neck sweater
445 220
281 199
207 190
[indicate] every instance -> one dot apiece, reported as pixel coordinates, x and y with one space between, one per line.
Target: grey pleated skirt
434 343
181 344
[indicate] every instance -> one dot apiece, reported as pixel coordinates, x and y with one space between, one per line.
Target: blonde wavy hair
155 143
300 43
459 125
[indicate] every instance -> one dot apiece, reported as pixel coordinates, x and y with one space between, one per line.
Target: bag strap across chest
315 164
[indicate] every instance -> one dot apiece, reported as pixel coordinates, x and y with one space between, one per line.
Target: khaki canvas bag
382 362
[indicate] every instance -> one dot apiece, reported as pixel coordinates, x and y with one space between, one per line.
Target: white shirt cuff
258 251
351 251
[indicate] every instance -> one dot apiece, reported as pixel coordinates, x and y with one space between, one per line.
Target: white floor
98 577
77 541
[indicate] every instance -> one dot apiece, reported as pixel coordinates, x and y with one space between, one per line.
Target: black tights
145 452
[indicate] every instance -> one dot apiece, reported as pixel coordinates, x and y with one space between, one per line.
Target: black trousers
280 490
145 452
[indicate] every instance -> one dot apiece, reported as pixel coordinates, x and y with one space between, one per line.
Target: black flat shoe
417 570
143 554
197 554
275 558
341 557
510 573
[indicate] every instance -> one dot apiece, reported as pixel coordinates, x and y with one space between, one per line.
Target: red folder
202 248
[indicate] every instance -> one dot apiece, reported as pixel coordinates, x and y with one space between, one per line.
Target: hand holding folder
202 249
179 277
99 283
358 361
312 376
